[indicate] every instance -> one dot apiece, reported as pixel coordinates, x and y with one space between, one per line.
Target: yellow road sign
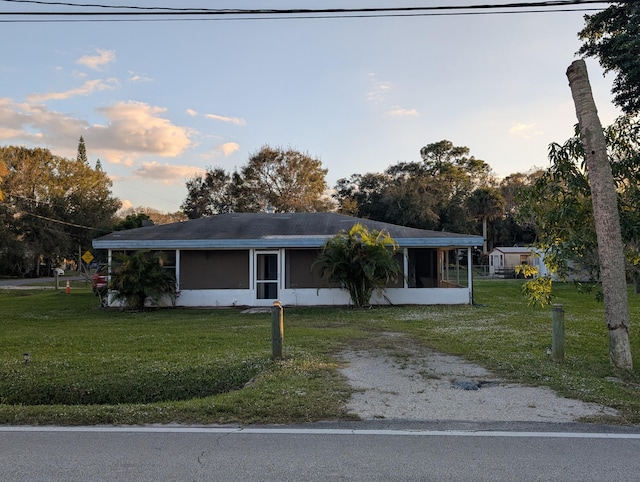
87 257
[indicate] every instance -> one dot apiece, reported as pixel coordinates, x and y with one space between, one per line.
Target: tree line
53 205
50 205
449 190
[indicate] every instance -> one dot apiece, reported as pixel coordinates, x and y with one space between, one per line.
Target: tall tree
82 152
3 173
607 221
428 194
208 194
52 206
284 180
513 184
613 37
453 166
413 197
360 195
558 204
514 229
485 203
457 175
404 194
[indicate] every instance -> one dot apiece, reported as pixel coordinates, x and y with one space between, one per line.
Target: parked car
57 271
100 280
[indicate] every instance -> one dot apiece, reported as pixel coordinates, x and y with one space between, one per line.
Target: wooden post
557 333
277 330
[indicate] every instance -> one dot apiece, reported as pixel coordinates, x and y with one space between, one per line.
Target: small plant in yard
139 277
362 260
537 290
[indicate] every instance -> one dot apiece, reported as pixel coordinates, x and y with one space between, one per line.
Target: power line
309 17
546 3
176 13
49 203
61 222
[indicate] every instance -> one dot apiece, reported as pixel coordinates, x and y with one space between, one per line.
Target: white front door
267 275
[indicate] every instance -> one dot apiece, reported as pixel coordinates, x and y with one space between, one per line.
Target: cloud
138 78
378 93
12 121
399 112
166 174
124 206
229 148
225 150
138 127
131 130
233 120
89 87
525 131
95 62
35 123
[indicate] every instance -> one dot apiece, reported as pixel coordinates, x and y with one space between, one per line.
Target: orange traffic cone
68 288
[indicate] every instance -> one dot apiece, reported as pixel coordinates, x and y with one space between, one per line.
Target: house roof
265 230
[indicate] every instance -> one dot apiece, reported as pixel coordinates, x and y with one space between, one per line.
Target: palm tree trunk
607 220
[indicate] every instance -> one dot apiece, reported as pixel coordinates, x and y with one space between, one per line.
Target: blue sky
158 102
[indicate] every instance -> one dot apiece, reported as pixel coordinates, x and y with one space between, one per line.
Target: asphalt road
51 280
24 281
321 452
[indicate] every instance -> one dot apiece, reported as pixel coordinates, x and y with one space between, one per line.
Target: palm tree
361 260
140 276
485 203
607 218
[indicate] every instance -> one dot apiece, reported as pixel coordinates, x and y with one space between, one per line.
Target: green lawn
93 366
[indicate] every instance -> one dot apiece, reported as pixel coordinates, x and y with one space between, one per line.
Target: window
214 270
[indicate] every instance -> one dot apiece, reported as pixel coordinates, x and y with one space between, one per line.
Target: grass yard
93 366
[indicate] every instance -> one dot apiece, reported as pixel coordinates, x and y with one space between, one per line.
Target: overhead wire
49 203
544 3
135 13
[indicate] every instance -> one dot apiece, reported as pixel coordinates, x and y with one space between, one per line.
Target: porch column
470 274
405 267
177 270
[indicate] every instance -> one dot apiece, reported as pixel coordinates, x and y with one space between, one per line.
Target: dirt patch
398 380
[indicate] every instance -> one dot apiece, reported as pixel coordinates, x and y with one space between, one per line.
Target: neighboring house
253 259
503 260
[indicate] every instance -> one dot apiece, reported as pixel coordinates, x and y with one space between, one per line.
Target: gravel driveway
404 382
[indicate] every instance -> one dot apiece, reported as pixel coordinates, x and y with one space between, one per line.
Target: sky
160 101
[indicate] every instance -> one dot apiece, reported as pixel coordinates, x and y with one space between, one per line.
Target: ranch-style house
254 259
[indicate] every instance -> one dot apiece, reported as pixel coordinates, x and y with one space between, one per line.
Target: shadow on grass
38 385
